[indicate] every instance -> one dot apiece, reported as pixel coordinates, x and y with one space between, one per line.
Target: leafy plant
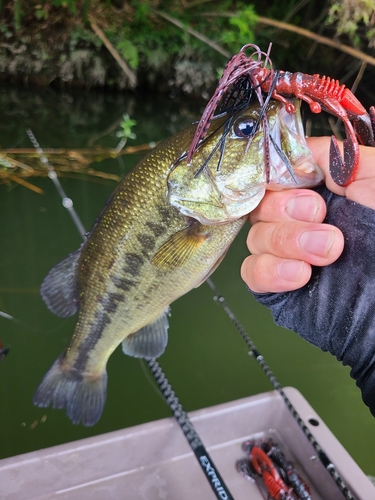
41 12
129 51
243 24
70 4
17 14
126 125
350 15
126 132
82 34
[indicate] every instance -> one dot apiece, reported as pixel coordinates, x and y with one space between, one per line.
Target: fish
164 230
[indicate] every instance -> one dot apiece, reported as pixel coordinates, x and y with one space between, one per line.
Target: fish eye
244 128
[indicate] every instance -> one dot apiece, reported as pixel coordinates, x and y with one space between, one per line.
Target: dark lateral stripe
133 263
147 242
101 321
111 301
157 229
123 283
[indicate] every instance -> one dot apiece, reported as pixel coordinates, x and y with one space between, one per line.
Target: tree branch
321 39
306 33
121 62
192 32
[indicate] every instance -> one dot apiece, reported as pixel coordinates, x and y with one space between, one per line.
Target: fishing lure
321 93
267 461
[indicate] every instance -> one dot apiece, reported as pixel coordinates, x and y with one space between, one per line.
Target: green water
206 360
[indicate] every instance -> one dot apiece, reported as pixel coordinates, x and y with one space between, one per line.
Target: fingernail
303 207
317 242
290 270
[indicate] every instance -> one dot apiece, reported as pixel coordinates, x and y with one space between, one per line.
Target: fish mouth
295 166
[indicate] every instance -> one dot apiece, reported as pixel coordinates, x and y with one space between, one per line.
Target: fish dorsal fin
180 247
59 289
150 341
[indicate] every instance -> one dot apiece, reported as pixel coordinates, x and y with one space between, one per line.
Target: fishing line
66 201
284 158
211 472
327 463
7 316
25 326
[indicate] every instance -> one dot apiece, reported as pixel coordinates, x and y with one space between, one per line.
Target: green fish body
163 231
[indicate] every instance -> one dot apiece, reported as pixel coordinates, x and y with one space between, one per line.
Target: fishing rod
327 463
211 472
196 444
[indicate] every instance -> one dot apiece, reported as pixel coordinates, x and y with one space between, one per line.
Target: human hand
287 236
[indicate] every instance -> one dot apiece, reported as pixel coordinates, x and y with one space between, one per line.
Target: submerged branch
96 154
67 162
26 184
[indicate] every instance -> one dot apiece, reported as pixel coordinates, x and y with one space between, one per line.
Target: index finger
290 205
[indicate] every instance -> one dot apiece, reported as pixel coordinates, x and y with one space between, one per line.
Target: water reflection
206 360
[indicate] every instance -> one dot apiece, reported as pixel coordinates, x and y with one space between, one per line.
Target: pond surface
206 361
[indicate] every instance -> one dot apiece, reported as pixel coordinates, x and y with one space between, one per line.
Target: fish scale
163 231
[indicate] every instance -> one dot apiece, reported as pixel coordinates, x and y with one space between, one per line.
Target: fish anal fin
83 397
180 247
150 341
59 289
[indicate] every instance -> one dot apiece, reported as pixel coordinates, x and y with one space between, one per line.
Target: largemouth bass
163 231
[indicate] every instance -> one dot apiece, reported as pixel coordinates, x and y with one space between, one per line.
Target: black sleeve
336 310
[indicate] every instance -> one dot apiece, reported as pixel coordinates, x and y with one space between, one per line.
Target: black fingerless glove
335 311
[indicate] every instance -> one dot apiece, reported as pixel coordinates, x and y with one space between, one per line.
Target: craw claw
364 127
343 171
371 112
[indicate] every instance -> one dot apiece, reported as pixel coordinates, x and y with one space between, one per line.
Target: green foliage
153 41
81 34
17 14
155 46
70 4
126 125
86 8
41 12
349 16
142 11
5 30
243 23
129 52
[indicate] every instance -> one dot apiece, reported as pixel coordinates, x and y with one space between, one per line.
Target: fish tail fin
83 397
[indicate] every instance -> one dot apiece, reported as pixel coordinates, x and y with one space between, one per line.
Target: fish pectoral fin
180 246
59 289
150 341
